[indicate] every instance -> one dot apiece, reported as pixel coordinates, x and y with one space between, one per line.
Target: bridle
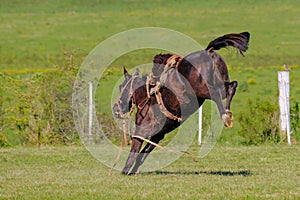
123 115
130 97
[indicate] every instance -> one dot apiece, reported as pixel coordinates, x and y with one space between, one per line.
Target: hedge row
36 108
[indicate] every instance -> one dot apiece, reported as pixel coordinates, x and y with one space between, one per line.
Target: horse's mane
159 62
239 41
161 58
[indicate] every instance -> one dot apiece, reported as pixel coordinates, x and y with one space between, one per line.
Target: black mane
159 62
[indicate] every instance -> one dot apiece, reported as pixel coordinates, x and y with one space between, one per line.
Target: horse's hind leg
230 91
216 96
135 148
146 151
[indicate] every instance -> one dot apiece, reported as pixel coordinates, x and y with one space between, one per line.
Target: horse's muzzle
117 112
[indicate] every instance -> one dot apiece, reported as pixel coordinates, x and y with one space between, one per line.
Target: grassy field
262 172
38 36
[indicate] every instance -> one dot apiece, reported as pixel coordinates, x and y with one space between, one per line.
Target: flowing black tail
239 41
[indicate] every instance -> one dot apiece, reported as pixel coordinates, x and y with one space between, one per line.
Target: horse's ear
126 74
124 70
137 72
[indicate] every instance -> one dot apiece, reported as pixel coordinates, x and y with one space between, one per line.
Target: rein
123 116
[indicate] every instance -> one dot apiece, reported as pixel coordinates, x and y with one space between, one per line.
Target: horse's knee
231 88
136 145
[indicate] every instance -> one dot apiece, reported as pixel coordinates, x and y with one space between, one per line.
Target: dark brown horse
198 76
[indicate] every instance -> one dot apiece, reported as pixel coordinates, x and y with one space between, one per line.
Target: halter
121 113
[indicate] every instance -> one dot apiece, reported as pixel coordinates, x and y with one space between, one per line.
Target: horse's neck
140 94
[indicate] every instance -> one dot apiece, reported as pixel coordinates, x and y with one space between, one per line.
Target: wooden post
284 102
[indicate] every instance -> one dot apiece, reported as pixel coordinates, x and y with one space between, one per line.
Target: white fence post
284 102
200 126
90 111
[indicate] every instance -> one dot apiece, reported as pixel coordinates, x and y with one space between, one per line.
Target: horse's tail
239 41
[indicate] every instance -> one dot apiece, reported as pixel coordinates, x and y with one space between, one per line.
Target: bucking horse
174 90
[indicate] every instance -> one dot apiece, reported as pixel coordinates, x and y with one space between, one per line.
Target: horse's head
127 88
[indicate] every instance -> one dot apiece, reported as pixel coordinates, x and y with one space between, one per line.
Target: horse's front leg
134 151
146 151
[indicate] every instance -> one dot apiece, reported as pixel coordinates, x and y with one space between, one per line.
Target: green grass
262 172
36 34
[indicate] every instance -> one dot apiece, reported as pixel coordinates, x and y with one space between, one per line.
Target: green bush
38 108
3 139
260 122
295 120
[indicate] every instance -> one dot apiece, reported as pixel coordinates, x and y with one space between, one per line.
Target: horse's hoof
227 120
228 112
129 173
126 173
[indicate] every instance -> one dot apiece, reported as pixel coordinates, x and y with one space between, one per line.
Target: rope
124 140
162 106
131 80
148 86
195 159
173 61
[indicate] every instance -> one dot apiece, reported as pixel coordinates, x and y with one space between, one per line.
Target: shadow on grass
244 173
